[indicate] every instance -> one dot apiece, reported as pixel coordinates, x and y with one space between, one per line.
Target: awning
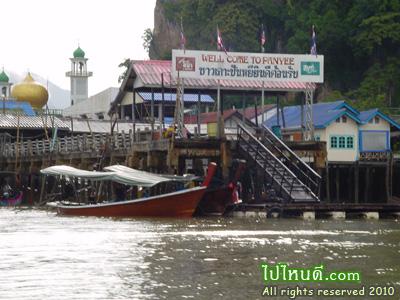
63 170
116 173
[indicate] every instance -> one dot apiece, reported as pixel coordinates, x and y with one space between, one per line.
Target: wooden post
366 188
262 104
255 110
162 102
133 112
152 113
277 111
243 105
356 182
198 113
328 189
337 184
387 179
218 111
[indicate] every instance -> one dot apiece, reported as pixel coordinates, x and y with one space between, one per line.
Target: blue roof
327 112
18 105
171 97
367 115
323 114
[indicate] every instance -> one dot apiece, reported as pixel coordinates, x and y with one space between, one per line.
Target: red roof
149 73
211 117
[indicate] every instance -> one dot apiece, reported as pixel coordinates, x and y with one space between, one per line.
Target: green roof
4 77
79 53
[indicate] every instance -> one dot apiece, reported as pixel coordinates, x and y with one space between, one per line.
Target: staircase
291 178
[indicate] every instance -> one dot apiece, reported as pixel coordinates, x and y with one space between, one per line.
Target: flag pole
218 110
262 86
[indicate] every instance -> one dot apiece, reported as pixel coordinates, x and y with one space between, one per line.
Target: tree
147 39
125 64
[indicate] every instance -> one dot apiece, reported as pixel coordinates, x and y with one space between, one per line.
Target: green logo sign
310 68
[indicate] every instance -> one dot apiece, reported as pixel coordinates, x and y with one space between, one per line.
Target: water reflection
45 256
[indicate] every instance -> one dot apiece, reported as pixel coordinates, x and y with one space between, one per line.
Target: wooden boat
12 201
175 204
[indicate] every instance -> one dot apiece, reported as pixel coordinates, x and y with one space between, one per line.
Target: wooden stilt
328 190
356 182
366 188
337 185
387 180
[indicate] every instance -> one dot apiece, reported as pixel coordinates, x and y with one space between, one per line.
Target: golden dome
30 91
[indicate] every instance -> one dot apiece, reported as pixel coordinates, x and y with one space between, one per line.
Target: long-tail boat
12 201
180 203
217 199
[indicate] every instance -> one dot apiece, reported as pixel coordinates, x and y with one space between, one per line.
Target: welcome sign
247 66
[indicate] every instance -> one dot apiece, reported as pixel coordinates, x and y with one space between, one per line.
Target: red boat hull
178 204
215 201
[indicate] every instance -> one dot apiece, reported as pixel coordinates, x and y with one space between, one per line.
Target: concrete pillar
251 214
262 214
371 215
337 215
309 215
239 214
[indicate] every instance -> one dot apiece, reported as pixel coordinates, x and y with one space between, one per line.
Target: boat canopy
139 174
63 170
117 173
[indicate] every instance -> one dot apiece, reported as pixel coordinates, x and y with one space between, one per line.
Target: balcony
78 74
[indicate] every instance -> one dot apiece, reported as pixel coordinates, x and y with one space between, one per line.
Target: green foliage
124 64
360 39
147 39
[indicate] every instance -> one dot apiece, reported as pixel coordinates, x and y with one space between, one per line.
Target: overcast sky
41 35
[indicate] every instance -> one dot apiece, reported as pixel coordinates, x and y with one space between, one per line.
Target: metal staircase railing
303 171
283 180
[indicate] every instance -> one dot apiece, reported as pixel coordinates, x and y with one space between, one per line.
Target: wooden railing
95 143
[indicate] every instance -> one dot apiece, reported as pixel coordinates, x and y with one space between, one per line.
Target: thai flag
263 39
183 39
220 43
313 50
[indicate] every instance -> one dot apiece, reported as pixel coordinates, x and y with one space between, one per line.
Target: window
371 121
317 138
344 119
333 142
349 142
338 120
376 120
342 142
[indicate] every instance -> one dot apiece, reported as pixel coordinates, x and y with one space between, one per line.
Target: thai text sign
247 66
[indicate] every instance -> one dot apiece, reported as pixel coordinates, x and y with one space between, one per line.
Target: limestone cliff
165 34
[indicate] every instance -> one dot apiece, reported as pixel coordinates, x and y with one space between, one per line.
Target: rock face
165 34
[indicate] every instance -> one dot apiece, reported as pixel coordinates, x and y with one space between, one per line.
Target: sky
41 35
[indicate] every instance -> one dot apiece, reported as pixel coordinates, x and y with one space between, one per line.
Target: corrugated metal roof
211 117
171 97
149 72
323 114
30 122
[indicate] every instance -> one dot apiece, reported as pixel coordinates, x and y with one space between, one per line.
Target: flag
183 39
262 39
313 50
220 43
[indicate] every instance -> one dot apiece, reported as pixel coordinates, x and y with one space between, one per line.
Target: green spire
4 77
79 53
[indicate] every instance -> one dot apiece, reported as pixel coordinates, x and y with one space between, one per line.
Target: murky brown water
45 256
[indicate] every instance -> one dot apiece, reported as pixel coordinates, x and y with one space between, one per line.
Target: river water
45 256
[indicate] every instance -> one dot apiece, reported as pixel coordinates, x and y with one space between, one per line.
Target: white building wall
381 125
350 128
92 107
